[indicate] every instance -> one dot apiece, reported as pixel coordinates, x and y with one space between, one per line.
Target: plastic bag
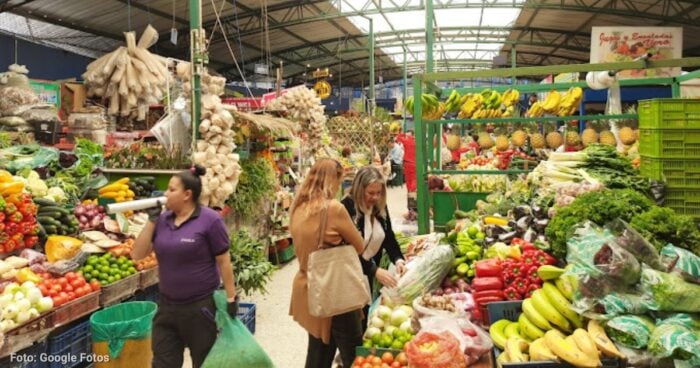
477 345
27 156
235 346
673 338
462 302
681 261
670 292
615 304
434 350
629 239
121 322
41 113
630 330
638 358
425 273
33 256
585 242
617 264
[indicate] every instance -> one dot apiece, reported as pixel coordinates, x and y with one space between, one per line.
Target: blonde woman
366 204
342 332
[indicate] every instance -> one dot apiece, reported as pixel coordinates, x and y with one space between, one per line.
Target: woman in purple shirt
191 244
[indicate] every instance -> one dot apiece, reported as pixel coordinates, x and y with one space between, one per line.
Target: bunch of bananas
453 102
435 114
538 335
472 103
492 99
511 97
487 114
570 102
536 110
551 103
429 103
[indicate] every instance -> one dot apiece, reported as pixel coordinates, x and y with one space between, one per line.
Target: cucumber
50 229
48 221
54 209
41 202
51 214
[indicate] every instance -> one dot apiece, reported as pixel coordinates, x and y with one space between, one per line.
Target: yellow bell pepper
5 177
26 274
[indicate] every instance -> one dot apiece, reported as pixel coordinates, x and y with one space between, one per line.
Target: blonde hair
364 177
321 183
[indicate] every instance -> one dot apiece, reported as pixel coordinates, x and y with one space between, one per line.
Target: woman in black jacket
366 204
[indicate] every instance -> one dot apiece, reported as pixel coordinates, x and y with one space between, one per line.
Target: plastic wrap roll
137 205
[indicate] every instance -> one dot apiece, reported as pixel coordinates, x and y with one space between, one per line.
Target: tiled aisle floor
283 339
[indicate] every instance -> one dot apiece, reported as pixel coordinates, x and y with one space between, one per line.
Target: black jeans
346 334
176 326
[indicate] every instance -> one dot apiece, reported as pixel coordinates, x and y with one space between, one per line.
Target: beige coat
305 229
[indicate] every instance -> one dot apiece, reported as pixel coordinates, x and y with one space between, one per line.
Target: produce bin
365 351
446 203
246 314
685 201
33 351
148 278
120 290
511 311
71 341
123 332
666 143
39 323
678 173
75 309
669 113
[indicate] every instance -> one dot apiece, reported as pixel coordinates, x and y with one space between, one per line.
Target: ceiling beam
66 23
4 7
150 10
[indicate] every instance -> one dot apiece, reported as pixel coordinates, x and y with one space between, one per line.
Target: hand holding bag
336 282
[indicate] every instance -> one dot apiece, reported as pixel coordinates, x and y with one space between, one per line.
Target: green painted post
197 58
676 90
371 67
405 88
421 140
429 36
513 62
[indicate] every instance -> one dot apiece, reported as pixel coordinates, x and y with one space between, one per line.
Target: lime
117 277
377 339
95 273
92 260
472 231
398 345
107 255
104 269
132 270
87 268
124 266
125 274
122 259
88 277
110 279
367 343
480 236
104 276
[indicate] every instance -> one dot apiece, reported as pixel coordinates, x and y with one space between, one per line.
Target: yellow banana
497 332
528 329
551 103
534 316
512 330
585 343
567 351
539 352
565 286
562 304
540 302
515 347
502 358
601 340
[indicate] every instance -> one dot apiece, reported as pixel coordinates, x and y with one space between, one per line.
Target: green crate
446 203
685 201
284 256
669 113
677 173
669 143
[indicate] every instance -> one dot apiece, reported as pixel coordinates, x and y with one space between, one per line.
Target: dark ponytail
191 180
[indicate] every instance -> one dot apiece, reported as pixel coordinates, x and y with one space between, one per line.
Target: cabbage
56 194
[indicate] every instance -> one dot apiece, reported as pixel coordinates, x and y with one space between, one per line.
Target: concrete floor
282 338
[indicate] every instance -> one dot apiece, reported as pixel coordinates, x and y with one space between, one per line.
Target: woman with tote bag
320 225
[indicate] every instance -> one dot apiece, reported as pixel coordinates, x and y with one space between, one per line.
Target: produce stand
75 309
120 290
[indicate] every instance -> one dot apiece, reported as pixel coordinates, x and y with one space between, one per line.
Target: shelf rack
427 132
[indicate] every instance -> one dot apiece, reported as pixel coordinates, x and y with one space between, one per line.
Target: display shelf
533 119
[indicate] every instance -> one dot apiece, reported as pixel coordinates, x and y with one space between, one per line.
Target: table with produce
575 264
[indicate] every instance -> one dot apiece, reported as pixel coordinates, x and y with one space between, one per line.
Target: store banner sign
267 97
620 44
244 103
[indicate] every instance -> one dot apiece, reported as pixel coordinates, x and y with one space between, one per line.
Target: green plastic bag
29 156
675 337
669 292
235 346
121 322
630 330
681 260
616 304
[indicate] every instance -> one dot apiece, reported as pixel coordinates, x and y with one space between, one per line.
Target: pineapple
572 138
554 140
502 143
627 136
453 142
606 137
485 141
589 136
518 138
537 141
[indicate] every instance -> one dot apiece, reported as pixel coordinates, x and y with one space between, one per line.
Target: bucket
122 333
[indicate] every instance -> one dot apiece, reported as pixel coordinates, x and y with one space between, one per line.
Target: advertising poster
620 44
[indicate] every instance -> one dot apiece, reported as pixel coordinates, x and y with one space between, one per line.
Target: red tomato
44 290
395 365
359 360
366 365
95 285
376 361
71 296
387 358
76 283
63 282
60 300
56 288
70 276
68 288
87 289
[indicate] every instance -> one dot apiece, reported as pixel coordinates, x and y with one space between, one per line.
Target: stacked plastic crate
669 144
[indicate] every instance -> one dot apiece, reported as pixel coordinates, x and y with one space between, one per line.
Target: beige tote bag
336 282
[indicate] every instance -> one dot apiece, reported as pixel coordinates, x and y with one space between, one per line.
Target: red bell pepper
487 299
512 294
531 289
10 208
529 258
488 268
532 272
543 258
487 283
2 216
11 228
535 280
9 246
521 284
31 241
487 293
523 244
513 268
15 217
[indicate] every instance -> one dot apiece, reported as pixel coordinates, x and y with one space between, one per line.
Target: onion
89 207
95 222
100 209
79 210
83 220
449 290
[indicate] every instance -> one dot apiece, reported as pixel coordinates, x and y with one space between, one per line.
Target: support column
198 59
421 163
429 36
405 88
371 67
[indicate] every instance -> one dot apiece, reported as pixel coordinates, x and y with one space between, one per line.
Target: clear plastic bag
681 261
40 113
630 330
675 340
617 264
444 351
615 304
669 292
425 273
33 256
629 239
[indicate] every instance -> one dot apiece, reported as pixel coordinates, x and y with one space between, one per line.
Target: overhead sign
321 73
620 44
323 89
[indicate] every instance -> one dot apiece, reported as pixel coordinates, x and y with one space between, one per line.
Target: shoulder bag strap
324 221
